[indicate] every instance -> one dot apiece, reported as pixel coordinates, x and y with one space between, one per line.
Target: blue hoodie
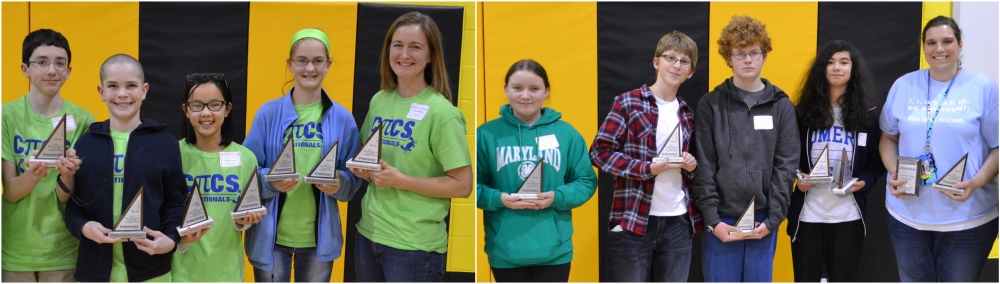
264 140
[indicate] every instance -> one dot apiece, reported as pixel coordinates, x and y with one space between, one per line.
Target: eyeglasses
674 60
206 77
60 65
213 106
753 55
302 62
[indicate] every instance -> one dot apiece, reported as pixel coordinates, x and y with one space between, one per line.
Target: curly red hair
743 31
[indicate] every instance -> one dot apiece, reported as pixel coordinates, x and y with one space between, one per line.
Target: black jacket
152 161
868 167
737 162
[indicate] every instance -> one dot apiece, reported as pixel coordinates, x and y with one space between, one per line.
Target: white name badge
70 122
547 142
763 122
417 111
862 139
230 159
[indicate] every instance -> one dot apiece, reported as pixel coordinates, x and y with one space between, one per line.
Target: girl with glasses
207 152
940 115
302 220
425 159
827 228
528 239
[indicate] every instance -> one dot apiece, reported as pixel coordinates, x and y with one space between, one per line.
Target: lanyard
932 119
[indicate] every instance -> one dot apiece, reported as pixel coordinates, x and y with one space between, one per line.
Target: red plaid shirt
625 145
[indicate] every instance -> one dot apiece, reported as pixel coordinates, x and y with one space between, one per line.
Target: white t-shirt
668 189
821 204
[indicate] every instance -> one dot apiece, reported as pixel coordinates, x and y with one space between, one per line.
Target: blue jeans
950 256
308 268
739 261
665 250
381 263
536 273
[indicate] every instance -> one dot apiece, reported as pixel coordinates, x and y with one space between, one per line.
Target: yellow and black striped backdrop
249 43
596 51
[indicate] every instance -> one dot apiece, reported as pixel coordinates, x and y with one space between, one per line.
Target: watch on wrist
710 229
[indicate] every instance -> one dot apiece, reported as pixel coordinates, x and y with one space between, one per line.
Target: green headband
310 33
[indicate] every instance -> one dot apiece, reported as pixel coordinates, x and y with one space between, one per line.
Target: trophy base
127 234
322 180
948 189
846 188
196 226
280 177
744 233
816 179
48 163
242 214
672 160
526 196
364 166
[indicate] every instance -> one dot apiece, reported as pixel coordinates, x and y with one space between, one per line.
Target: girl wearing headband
303 220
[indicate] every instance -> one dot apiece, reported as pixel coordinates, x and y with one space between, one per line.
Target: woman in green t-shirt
222 169
424 158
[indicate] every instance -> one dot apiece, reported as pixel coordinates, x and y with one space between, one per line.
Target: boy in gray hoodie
747 146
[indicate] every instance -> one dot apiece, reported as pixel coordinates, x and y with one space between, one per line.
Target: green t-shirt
34 234
422 136
297 222
120 139
218 256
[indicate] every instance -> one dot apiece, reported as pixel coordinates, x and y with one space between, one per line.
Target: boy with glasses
36 245
123 155
746 142
652 217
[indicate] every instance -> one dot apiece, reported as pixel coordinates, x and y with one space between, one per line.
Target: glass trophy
129 225
821 169
284 166
325 171
746 222
370 154
54 147
845 180
955 175
908 169
532 184
671 149
250 200
195 216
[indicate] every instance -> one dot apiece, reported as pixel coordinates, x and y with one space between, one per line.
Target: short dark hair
44 37
187 131
530 66
941 21
814 109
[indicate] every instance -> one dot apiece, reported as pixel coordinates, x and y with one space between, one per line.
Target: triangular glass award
532 184
54 147
821 169
370 154
955 175
284 166
746 221
129 225
250 199
845 180
908 169
195 216
671 149
325 172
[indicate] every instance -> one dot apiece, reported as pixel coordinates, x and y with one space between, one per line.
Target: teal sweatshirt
506 151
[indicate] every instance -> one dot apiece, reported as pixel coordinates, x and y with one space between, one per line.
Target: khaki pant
38 276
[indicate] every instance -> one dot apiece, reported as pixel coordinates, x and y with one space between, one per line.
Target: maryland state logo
524 169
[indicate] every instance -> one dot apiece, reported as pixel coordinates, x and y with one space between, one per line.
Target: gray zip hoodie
737 162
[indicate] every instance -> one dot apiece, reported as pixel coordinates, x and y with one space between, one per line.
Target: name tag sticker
862 139
763 122
547 142
230 159
70 122
417 111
